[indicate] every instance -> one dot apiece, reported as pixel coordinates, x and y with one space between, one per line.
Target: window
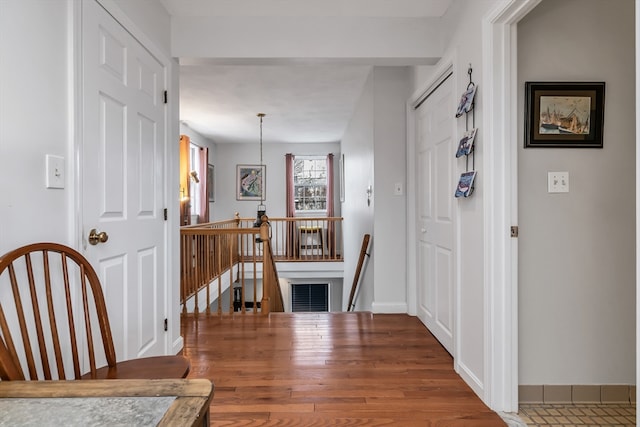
310 183
309 297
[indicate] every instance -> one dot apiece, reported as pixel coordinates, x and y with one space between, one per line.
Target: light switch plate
397 189
54 171
558 182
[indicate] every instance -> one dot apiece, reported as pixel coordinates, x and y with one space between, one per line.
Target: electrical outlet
558 182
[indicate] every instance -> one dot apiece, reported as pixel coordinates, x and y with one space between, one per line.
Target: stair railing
219 261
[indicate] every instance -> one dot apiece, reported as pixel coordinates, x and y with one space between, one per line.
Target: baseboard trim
471 379
389 307
557 394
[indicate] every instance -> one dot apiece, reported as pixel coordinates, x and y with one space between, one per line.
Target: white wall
374 146
376 40
577 255
357 147
391 89
419 75
150 17
35 120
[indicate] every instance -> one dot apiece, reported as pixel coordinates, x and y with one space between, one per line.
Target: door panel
122 180
111 181
436 213
444 268
147 318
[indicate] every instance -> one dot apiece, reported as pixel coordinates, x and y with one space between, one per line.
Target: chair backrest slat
37 318
72 326
38 344
9 362
87 323
24 331
52 315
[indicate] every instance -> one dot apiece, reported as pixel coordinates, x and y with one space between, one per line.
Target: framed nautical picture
250 182
564 114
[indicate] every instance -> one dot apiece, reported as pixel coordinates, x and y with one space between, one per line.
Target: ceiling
303 102
372 8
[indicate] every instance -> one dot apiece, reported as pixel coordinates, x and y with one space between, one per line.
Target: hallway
320 369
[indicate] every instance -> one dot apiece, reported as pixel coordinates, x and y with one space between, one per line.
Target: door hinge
166 325
166 97
514 231
166 213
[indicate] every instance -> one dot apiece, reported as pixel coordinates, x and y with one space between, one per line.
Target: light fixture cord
261 115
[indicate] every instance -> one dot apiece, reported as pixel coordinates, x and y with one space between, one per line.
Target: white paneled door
435 204
122 180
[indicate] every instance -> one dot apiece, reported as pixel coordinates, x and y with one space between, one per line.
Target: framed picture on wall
564 114
211 189
250 182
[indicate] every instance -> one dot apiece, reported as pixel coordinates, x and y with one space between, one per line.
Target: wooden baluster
219 258
196 309
266 266
255 274
208 271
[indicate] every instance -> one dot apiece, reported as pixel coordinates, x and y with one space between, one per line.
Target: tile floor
582 415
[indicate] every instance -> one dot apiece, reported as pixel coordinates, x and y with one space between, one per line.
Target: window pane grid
310 184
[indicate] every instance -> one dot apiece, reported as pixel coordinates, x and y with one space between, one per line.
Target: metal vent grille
309 297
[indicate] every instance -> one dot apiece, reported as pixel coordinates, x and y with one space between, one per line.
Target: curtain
291 205
203 195
330 180
331 229
185 218
291 200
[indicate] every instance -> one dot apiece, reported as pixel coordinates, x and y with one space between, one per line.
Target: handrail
270 277
300 239
224 261
356 277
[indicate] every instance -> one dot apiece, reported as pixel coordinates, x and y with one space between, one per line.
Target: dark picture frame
211 181
564 114
250 182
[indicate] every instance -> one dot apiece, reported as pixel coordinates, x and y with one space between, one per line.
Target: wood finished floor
329 369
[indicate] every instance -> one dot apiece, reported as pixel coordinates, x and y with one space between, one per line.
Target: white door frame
500 171
174 341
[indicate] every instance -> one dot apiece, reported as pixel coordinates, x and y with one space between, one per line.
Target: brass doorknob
95 237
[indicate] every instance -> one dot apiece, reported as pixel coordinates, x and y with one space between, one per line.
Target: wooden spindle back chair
54 322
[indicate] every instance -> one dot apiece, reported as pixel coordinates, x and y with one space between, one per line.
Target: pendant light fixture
262 209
